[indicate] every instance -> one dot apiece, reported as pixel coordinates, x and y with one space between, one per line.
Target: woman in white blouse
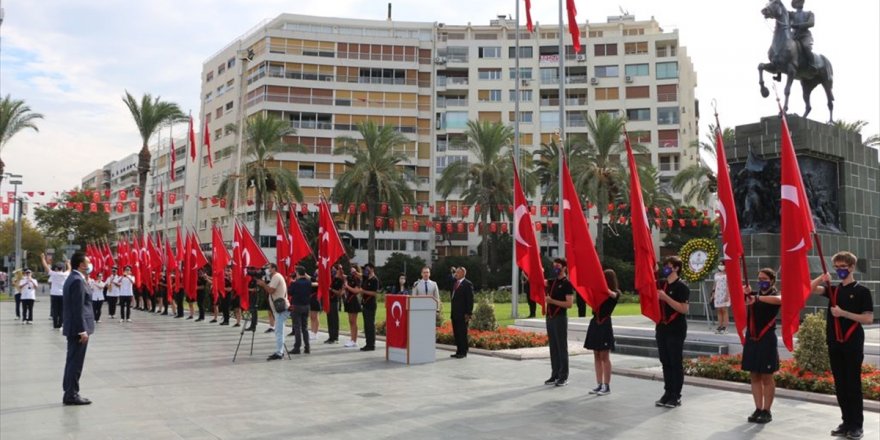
28 287
125 284
97 287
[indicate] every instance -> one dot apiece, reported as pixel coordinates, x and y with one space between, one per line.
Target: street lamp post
15 180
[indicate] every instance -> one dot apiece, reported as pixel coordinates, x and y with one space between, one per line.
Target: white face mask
89 268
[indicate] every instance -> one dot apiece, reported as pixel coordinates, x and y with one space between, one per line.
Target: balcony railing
667 97
314 125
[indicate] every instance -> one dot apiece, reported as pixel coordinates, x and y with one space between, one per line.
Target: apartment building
122 176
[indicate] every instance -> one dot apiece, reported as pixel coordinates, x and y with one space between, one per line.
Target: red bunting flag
528 255
643 245
573 26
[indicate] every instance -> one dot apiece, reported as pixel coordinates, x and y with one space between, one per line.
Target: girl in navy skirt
600 336
760 355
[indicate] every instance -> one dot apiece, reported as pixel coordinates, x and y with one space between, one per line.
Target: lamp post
15 180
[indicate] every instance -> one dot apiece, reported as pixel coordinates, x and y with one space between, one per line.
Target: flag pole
514 270
560 225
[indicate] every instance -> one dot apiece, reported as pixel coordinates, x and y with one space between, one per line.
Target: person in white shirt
125 284
721 299
97 289
57 276
28 288
113 292
425 286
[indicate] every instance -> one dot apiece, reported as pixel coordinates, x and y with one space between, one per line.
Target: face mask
556 272
89 268
666 271
764 285
842 273
366 273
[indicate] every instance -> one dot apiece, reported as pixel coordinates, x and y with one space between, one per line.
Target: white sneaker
30 323
128 320
121 320
350 344
313 336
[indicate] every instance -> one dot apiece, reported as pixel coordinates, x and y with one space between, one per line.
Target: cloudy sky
72 60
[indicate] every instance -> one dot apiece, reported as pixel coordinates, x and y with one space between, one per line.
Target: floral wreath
698 244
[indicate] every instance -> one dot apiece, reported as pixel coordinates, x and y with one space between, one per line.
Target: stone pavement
164 378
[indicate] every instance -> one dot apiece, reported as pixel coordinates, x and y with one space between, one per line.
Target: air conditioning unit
581 58
440 60
594 81
629 79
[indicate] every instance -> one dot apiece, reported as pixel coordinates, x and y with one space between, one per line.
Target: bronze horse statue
786 57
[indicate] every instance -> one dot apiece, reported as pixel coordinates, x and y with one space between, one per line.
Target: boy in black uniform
671 331
369 290
849 308
336 292
559 299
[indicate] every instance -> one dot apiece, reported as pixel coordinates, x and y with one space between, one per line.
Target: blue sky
72 60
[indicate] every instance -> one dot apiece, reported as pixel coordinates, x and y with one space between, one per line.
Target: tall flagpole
168 177
241 113
561 225
199 177
514 270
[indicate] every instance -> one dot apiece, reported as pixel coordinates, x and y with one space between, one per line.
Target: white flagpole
561 226
514 275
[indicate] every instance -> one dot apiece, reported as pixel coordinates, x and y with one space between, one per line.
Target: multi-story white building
123 176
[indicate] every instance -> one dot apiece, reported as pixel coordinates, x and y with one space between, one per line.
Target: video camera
258 273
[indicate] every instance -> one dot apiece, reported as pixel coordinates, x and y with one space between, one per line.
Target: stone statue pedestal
842 178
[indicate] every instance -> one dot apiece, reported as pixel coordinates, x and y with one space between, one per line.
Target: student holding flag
671 331
760 353
600 336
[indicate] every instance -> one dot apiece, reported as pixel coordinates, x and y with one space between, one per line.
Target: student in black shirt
600 336
559 299
336 293
671 331
369 292
760 355
300 291
352 305
849 308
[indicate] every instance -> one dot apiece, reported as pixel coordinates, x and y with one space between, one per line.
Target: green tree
264 139
15 116
149 115
397 264
375 173
488 182
86 227
32 241
872 141
547 164
700 181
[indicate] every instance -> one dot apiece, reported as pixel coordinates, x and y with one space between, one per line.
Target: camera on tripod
258 273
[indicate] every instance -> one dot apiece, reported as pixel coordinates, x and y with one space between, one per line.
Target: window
667 138
635 48
607 71
489 74
607 93
524 52
601 50
456 120
229 106
219 112
636 70
524 117
667 115
457 54
634 31
612 113
230 63
495 95
667 93
549 120
306 171
208 97
490 52
668 162
636 92
524 95
640 137
595 34
221 68
445 161
667 70
638 114
524 73
549 75
209 76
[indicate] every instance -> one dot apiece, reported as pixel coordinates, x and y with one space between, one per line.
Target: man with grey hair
462 309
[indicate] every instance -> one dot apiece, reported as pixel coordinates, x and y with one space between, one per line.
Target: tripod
251 315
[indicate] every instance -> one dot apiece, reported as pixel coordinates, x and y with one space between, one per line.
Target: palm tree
375 174
872 141
149 115
264 137
603 175
701 182
489 181
547 160
15 116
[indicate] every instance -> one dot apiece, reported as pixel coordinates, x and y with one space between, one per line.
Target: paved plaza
164 378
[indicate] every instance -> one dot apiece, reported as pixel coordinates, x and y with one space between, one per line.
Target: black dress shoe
189 317
306 350
269 330
368 348
454 355
562 382
200 319
662 401
77 400
213 321
673 403
178 317
330 341
224 323
754 417
459 356
840 431
294 351
764 417
274 357
551 381
855 434
291 334
237 325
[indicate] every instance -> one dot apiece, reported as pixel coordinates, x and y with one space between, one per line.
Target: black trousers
76 357
125 307
200 301
557 335
460 332
178 297
846 367
96 308
27 310
581 306
111 305
333 321
18 305
56 306
225 302
370 323
670 344
300 327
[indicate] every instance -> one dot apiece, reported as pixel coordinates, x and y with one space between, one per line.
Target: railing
576 101
323 100
576 79
667 97
456 81
319 125
668 143
549 102
443 103
379 57
549 81
576 123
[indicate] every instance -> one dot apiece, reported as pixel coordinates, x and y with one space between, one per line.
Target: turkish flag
239 281
643 246
134 262
573 26
173 161
299 247
197 261
396 327
584 269
160 199
732 248
330 249
5 207
528 256
529 24
192 140
187 264
795 241
220 257
207 140
282 246
169 271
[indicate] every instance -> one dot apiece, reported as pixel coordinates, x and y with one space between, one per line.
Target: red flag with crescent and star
643 245
796 229
330 249
282 247
732 248
239 282
528 256
220 259
584 269
395 325
173 162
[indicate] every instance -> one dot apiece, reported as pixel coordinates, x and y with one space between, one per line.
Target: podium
410 329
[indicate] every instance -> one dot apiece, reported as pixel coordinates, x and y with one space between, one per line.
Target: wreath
694 245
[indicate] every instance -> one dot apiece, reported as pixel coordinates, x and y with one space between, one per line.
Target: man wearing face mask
559 299
369 292
79 323
849 308
671 331
336 292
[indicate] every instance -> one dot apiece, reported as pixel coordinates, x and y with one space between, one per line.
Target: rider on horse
801 22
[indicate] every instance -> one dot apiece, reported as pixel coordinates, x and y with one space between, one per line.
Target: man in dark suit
462 308
78 324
